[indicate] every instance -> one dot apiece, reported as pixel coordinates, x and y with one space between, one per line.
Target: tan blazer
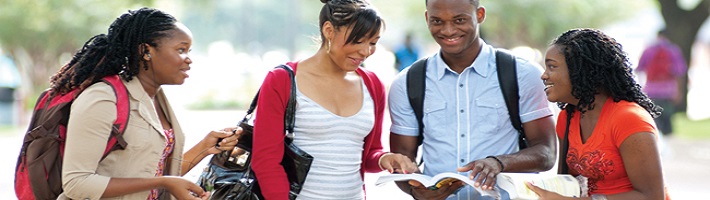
92 115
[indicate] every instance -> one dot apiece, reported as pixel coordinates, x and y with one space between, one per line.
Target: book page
514 184
436 181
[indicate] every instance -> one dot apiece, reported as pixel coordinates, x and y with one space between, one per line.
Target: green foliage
212 104
8 130
512 23
42 34
56 26
39 34
254 26
687 128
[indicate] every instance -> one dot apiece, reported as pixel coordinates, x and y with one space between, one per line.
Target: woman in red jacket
339 111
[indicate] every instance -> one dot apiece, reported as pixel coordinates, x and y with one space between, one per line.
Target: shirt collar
136 90
482 65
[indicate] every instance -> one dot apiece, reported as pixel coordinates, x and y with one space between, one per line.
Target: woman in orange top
612 136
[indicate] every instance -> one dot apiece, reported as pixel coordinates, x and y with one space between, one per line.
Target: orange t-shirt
599 158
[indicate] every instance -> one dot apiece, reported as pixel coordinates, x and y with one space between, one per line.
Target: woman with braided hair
147 48
339 112
610 130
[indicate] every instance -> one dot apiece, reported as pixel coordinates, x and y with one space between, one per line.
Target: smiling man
466 125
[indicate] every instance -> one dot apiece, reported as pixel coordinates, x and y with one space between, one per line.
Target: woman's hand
229 138
544 194
394 162
211 144
182 188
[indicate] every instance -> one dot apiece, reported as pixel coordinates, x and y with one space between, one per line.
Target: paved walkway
685 161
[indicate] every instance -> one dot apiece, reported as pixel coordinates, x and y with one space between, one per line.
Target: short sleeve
629 120
533 101
404 122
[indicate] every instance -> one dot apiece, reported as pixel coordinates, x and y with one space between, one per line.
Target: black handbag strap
290 115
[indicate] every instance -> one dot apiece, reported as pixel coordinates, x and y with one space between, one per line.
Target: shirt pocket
138 133
435 114
488 115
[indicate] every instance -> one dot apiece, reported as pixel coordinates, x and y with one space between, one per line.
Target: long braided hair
597 63
359 13
118 52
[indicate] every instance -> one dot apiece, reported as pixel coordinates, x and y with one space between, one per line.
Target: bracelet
502 167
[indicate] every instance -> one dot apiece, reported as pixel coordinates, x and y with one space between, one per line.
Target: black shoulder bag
229 174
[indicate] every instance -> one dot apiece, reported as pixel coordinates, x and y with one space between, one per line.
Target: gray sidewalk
686 162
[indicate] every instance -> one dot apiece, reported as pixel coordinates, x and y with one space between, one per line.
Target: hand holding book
441 182
440 190
513 183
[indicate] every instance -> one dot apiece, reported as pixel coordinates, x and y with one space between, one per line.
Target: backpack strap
508 80
123 109
416 85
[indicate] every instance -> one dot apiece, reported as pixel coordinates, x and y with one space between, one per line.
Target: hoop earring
328 48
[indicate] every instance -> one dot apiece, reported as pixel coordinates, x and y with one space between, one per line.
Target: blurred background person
9 82
664 67
406 53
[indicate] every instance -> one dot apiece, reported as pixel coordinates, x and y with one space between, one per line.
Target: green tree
512 23
40 34
535 23
683 25
254 26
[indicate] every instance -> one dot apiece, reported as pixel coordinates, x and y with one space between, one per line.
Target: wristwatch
598 197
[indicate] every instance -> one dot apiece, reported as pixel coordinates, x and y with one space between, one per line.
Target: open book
436 181
513 183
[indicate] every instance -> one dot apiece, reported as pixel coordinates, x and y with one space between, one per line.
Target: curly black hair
597 63
358 13
118 52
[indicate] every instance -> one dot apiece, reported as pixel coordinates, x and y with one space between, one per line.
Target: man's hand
483 172
419 191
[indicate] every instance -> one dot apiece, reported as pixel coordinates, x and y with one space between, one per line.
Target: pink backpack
659 67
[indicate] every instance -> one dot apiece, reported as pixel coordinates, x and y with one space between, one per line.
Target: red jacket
269 131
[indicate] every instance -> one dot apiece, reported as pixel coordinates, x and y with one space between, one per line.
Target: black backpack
507 78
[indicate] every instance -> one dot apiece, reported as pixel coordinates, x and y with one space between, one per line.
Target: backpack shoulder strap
508 80
123 109
416 85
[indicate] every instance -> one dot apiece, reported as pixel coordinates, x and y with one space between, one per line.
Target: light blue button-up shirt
465 116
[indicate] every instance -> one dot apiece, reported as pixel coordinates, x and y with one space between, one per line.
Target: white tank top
336 144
